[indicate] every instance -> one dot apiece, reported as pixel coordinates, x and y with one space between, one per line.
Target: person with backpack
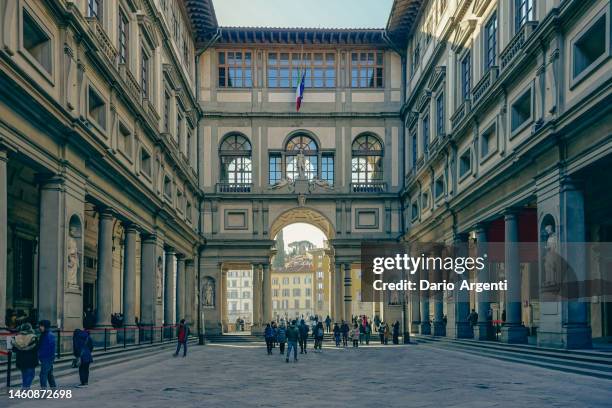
83 347
396 329
355 333
337 334
46 354
319 332
182 336
303 328
293 334
281 337
25 346
344 328
269 336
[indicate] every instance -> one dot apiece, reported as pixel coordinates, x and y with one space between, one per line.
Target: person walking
473 318
46 355
396 329
25 345
83 348
293 334
368 332
269 336
182 336
281 337
337 334
355 334
361 333
319 332
328 324
345 333
381 332
303 328
387 332
376 322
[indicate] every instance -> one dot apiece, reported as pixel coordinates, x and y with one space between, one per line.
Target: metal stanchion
105 335
124 337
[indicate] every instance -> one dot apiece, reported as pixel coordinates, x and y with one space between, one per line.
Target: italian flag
299 92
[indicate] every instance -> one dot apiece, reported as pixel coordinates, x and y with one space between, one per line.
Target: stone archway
306 215
324 298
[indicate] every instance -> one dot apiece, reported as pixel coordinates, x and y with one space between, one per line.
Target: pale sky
304 13
303 232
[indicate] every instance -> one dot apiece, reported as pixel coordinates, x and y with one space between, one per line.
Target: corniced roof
203 19
295 35
401 20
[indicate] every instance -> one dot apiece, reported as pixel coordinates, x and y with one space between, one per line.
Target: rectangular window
523 12
521 110
97 108
415 59
179 127
488 142
426 133
144 73
327 169
465 163
235 69
188 212
440 118
367 69
94 9
466 76
490 39
167 187
188 147
285 69
296 303
590 47
415 148
124 34
308 292
166 111
36 42
125 140
145 162
296 292
275 169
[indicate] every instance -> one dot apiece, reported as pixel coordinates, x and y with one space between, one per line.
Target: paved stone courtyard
242 375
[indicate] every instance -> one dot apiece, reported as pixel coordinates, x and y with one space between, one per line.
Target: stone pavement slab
243 375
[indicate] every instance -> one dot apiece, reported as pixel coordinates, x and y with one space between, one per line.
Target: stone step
63 367
512 353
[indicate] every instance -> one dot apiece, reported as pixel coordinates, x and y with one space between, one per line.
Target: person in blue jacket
269 336
83 348
281 337
46 354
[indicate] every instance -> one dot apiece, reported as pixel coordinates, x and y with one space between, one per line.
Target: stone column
189 290
105 268
484 329
148 280
513 330
332 292
415 308
3 234
51 248
439 326
180 287
129 275
348 301
267 294
339 292
169 288
463 330
256 326
425 322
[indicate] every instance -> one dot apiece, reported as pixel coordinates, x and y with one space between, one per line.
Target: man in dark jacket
344 328
303 336
182 336
25 346
83 348
293 334
46 354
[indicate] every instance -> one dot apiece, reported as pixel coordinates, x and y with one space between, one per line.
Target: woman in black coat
25 345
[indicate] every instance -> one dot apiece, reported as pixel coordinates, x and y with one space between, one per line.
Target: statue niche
208 292
73 253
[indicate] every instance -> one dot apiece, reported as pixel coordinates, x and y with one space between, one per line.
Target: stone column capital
511 213
169 250
105 212
180 257
481 227
130 227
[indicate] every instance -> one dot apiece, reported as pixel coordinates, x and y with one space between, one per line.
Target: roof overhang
401 21
203 19
301 36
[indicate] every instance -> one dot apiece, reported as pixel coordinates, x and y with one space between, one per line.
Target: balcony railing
225 187
460 113
484 84
105 43
516 44
369 187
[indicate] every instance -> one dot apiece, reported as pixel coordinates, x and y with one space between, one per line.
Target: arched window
235 156
308 147
367 163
